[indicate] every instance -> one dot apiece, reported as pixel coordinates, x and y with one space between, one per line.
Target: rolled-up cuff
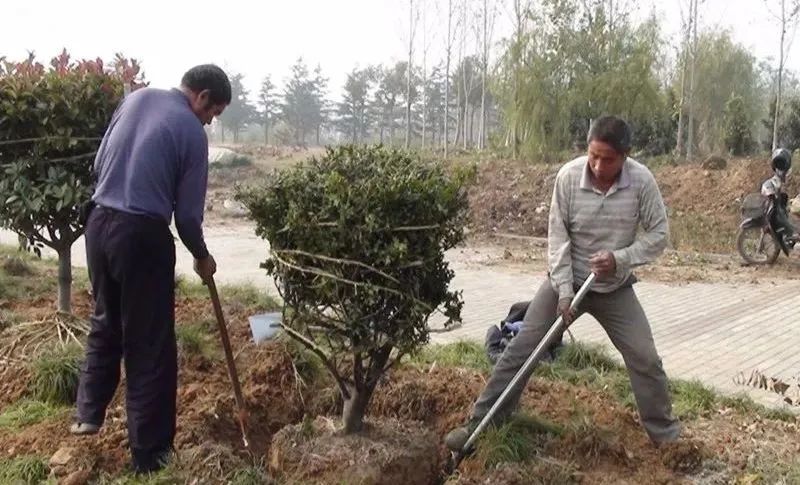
622 261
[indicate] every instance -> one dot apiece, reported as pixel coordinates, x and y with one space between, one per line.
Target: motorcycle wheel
756 246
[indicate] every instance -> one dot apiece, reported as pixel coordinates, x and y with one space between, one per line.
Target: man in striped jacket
599 201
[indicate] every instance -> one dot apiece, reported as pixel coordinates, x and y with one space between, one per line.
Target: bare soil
611 448
387 452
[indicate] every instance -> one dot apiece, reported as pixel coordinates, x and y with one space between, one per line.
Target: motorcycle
765 230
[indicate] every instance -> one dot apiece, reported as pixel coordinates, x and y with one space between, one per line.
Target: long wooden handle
226 345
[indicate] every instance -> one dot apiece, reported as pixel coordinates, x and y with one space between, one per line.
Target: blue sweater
153 161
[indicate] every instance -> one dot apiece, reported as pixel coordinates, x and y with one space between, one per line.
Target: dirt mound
206 408
512 196
441 398
685 456
694 188
388 452
715 162
703 204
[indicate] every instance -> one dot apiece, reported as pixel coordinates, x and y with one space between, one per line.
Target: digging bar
226 344
555 329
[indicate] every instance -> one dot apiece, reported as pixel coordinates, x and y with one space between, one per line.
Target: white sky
260 37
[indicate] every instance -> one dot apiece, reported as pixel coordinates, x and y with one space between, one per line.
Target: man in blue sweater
152 163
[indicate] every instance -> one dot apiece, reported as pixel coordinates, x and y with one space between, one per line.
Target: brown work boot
458 437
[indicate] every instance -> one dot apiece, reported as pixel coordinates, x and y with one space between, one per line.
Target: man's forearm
646 249
560 265
649 245
191 233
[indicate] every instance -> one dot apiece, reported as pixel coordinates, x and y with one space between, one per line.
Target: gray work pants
624 321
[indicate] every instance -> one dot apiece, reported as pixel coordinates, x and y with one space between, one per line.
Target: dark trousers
131 263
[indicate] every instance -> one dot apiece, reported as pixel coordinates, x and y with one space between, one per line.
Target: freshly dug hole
388 452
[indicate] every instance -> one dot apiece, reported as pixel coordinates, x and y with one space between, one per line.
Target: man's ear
204 97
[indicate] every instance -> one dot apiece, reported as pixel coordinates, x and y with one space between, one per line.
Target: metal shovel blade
265 326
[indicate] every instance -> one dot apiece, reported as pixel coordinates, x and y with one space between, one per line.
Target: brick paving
708 332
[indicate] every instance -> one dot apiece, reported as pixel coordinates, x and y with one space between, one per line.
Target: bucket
264 326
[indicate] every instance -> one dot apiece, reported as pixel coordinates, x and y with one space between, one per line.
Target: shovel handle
556 328
226 345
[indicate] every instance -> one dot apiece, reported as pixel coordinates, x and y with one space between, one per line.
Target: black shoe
150 462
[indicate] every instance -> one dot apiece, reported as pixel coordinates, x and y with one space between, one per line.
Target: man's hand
205 268
565 312
603 264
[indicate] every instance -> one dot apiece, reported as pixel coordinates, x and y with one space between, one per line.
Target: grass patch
240 161
702 233
579 356
16 266
27 412
26 469
515 441
691 399
249 296
243 294
193 339
55 375
163 477
169 475
465 354
590 441
7 319
24 276
768 470
591 366
745 404
308 367
658 161
251 475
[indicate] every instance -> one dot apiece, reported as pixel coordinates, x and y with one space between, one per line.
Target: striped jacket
584 221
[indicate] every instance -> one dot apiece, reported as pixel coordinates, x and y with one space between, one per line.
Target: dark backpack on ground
497 339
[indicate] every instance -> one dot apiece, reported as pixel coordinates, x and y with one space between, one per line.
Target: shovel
226 344
555 330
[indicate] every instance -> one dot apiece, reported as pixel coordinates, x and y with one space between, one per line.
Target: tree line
534 92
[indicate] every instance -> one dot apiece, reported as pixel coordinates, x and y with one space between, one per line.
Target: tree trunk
466 116
354 409
221 133
424 76
447 74
519 16
266 132
482 130
679 144
65 280
776 122
690 134
236 135
408 70
472 127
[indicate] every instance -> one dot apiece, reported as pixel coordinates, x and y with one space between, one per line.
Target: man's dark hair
612 130
211 77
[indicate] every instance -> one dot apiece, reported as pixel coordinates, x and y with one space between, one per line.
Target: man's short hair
211 77
613 131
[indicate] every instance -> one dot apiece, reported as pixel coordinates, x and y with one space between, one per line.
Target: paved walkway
705 331
708 332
